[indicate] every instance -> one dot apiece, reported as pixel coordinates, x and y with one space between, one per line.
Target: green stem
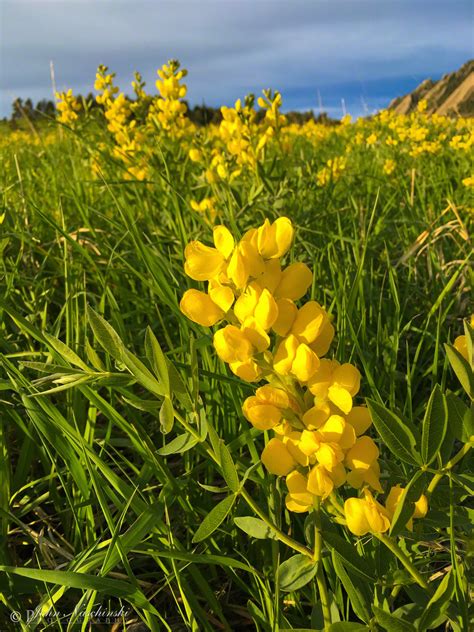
320 579
449 465
396 550
286 539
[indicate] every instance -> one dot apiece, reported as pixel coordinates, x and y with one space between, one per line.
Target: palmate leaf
396 435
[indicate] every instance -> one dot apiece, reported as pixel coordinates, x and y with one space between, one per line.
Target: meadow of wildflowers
236 367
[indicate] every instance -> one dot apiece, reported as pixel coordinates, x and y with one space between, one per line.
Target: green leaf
460 418
178 387
93 357
406 504
255 528
359 565
391 623
469 333
166 416
394 433
434 425
296 572
228 468
462 369
157 359
438 603
214 518
105 335
180 444
65 352
142 374
347 626
356 591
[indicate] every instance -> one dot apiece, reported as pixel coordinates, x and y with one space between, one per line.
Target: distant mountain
452 95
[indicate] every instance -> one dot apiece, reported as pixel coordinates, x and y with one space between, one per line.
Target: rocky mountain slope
452 95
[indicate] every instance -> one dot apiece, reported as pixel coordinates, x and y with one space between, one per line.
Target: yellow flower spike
248 371
365 515
319 482
305 363
232 345
221 295
256 334
315 417
285 354
308 322
266 310
295 281
348 377
287 312
323 341
203 263
223 240
359 418
297 485
276 458
340 397
200 308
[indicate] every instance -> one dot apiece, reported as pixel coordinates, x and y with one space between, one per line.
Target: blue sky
364 52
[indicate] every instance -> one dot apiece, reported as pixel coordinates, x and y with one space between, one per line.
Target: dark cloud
340 48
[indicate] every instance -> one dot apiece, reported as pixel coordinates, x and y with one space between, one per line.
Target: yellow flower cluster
67 106
168 110
332 171
319 441
118 113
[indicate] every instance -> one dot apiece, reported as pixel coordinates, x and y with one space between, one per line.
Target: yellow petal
200 308
329 455
285 355
356 520
232 345
460 345
248 371
202 262
264 416
271 276
275 396
322 378
223 241
309 442
266 311
297 486
237 270
363 453
359 418
296 507
287 312
340 398
421 507
323 341
256 334
284 233
315 417
319 482
222 295
308 322
348 377
253 260
295 281
276 458
247 302
305 363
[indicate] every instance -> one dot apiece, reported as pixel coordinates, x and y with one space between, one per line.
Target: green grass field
97 504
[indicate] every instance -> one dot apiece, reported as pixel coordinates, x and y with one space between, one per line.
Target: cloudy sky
364 52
